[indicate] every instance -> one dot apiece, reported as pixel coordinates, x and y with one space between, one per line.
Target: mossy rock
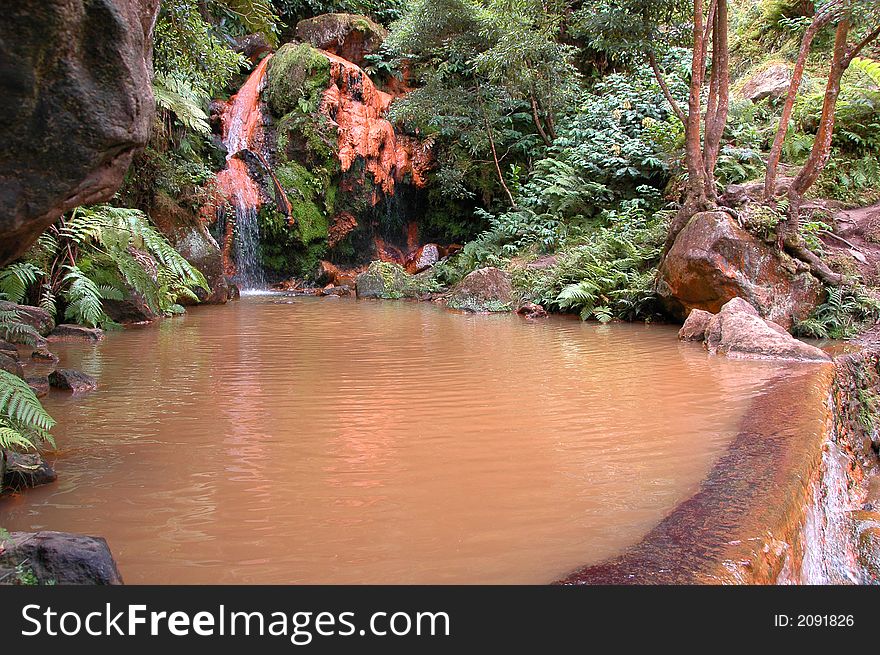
297 77
350 36
484 290
305 192
390 281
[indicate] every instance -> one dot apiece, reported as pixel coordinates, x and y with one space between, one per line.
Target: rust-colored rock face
76 102
347 35
358 109
714 260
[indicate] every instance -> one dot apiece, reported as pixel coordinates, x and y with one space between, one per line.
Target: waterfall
829 552
249 272
242 131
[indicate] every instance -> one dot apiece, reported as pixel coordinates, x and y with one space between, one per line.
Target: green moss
297 78
307 136
305 192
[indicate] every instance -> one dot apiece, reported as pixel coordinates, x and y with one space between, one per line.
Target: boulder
745 336
382 280
59 558
714 260
531 310
133 308
739 332
328 273
252 46
772 82
70 332
36 317
694 328
348 36
76 102
26 470
9 349
483 290
39 384
70 380
11 364
332 290
424 258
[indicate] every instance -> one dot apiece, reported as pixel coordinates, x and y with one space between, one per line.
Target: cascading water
829 553
242 131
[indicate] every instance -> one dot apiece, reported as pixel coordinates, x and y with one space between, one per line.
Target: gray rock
26 470
772 82
531 310
70 380
382 280
76 102
44 356
36 317
69 332
59 558
484 290
39 384
11 364
741 334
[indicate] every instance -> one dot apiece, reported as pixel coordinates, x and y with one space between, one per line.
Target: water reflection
308 440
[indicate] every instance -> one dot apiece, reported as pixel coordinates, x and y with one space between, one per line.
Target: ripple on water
357 441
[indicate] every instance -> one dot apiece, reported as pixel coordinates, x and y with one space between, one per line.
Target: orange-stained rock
341 225
358 110
714 260
423 258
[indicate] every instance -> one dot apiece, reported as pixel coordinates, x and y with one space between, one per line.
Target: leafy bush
605 271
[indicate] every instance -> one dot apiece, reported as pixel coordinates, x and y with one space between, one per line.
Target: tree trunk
819 21
491 136
719 96
696 187
661 80
821 151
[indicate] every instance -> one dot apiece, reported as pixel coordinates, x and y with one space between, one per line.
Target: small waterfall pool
305 440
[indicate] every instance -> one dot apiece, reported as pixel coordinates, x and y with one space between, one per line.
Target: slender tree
855 19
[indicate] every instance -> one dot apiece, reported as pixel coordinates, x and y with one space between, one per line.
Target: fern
24 423
84 298
846 312
177 96
13 329
17 278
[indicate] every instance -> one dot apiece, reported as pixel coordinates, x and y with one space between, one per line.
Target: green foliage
492 76
177 96
24 424
13 328
847 311
603 271
16 278
383 11
102 253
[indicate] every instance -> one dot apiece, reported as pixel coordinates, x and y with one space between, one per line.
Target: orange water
302 440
